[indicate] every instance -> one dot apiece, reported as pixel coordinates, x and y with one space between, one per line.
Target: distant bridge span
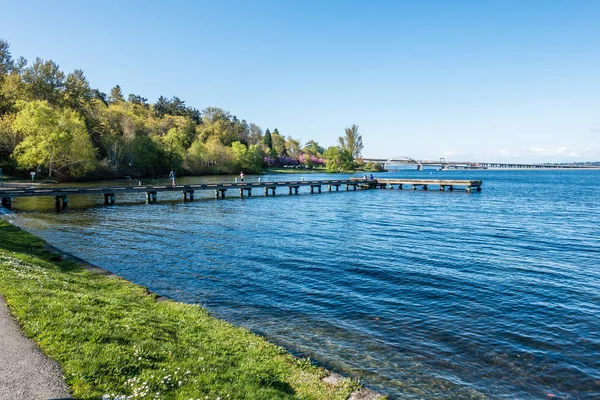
445 165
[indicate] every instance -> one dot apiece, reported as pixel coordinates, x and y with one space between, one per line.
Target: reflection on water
419 294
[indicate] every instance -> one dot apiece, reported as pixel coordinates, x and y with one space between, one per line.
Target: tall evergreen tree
267 139
116 95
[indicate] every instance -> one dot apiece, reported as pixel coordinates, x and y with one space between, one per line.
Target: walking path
25 372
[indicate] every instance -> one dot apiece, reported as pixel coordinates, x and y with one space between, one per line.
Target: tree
173 146
45 81
278 144
292 147
77 91
55 139
352 142
268 140
256 134
249 159
6 61
313 148
338 160
116 95
136 99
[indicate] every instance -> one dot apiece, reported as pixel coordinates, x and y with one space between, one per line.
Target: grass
113 339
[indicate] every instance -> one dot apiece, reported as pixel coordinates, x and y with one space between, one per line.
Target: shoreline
55 255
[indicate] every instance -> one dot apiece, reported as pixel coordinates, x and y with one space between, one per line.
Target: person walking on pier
242 176
172 177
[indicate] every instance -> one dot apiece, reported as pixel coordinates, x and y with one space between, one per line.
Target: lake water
420 294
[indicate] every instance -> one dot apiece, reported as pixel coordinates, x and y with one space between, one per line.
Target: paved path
25 372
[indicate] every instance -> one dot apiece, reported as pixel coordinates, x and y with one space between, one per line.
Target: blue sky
485 80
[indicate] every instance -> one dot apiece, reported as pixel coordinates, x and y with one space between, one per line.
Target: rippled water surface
420 294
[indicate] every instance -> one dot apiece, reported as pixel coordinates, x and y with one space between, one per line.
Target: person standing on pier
172 177
242 176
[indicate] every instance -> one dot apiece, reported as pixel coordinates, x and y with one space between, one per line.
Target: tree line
58 125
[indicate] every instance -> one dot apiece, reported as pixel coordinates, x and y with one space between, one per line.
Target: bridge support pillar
414 187
425 187
400 187
451 188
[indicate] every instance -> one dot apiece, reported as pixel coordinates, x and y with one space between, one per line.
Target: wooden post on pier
7 202
109 199
150 197
61 202
188 195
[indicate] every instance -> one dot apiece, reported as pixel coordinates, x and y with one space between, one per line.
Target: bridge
396 162
61 194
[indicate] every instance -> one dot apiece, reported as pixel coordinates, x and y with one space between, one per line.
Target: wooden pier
220 189
425 184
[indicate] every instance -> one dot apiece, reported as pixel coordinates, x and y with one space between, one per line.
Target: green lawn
112 338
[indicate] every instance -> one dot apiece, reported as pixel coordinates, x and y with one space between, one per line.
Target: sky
480 80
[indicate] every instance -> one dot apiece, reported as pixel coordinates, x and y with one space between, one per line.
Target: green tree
352 142
248 159
78 93
6 61
278 144
268 140
55 139
338 160
116 95
173 146
292 147
313 148
45 81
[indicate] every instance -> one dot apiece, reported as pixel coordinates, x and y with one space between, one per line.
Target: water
419 294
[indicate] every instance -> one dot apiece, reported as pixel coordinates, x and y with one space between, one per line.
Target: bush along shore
114 340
